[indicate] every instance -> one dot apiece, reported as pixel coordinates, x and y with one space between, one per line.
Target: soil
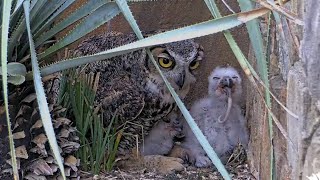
241 172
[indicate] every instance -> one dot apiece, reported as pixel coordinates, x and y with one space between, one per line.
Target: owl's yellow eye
165 63
194 65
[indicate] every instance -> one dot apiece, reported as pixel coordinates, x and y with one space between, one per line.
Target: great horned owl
131 88
222 123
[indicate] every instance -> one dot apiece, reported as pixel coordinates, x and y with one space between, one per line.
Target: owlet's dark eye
215 77
234 77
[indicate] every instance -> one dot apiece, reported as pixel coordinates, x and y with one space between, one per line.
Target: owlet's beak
226 82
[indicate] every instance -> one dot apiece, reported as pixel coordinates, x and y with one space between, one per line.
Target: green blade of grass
6 8
102 15
194 127
188 32
41 98
272 161
111 158
92 152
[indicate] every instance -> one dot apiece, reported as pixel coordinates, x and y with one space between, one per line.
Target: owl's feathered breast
125 86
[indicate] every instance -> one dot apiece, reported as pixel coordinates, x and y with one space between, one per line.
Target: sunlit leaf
16 73
6 8
102 15
258 48
188 32
41 98
83 11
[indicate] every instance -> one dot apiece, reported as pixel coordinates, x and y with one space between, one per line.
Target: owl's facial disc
175 75
168 63
224 82
178 62
224 85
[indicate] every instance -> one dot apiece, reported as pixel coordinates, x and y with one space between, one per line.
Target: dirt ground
242 172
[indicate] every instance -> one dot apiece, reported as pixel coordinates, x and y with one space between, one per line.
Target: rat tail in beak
228 91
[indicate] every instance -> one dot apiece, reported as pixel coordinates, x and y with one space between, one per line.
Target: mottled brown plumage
130 86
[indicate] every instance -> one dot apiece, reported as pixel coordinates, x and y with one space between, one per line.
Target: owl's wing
97 43
120 96
120 90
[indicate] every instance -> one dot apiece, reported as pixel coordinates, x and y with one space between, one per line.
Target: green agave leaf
15 68
16 73
129 17
194 127
17 6
36 6
102 15
188 32
256 40
46 24
6 8
19 29
16 80
15 17
44 13
258 47
268 101
41 97
83 11
15 13
1 6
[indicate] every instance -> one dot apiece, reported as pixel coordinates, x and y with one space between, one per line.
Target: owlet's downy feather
219 117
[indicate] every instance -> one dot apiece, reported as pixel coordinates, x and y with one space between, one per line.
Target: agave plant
28 31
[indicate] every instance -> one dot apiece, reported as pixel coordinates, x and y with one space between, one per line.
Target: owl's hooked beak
181 79
226 82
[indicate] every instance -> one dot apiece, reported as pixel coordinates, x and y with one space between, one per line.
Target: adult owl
130 86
